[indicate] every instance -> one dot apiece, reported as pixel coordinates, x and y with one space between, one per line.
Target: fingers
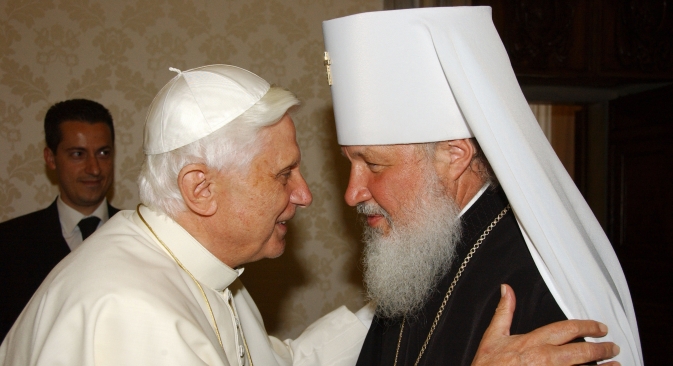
502 320
543 346
583 352
565 331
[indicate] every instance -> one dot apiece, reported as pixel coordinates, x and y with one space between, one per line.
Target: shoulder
36 228
115 281
138 318
118 268
111 210
28 219
120 258
503 257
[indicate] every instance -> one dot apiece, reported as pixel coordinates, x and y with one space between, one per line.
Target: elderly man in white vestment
159 285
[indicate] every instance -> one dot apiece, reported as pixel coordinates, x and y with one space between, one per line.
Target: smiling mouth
92 183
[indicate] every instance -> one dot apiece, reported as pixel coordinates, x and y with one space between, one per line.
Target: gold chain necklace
450 290
203 293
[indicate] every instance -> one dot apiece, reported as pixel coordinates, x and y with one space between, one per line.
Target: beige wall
118 53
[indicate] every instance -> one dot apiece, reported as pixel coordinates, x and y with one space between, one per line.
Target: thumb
502 320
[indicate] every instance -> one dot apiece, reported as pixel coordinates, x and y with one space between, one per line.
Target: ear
196 186
49 158
453 158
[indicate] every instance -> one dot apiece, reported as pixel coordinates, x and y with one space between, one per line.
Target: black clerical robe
503 257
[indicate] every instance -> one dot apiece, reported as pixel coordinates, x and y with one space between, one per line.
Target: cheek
68 170
108 166
396 192
281 204
268 206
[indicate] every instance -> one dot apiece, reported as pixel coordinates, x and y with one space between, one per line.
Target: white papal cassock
121 299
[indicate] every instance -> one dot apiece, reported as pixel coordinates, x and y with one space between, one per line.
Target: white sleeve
366 314
335 339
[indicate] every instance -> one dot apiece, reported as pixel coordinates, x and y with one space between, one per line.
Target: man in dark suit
80 150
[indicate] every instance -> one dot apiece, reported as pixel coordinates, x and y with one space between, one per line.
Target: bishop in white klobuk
440 75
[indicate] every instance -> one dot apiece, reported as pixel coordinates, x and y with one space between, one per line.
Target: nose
301 194
357 190
92 165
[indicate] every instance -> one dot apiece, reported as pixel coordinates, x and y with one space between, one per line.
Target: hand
543 346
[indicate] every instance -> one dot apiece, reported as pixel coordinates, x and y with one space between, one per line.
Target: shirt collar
70 217
202 264
474 199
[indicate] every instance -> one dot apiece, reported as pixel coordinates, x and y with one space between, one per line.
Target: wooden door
640 211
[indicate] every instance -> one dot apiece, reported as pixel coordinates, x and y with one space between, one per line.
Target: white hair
233 147
403 268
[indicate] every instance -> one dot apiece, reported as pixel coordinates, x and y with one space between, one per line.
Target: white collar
70 217
474 199
202 264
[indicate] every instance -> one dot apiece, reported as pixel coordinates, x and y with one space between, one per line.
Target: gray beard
402 269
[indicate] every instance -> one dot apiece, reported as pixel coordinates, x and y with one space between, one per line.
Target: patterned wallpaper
118 53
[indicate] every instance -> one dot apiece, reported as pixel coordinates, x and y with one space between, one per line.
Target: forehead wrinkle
278 162
364 151
292 152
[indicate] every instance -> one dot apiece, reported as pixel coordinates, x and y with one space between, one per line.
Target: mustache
369 209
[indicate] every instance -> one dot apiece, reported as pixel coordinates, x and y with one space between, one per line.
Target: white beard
403 268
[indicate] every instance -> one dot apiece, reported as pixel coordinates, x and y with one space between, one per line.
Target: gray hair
482 167
233 147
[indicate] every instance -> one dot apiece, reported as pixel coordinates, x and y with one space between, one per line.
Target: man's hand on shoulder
547 345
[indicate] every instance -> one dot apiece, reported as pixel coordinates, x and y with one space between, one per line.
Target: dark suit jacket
30 246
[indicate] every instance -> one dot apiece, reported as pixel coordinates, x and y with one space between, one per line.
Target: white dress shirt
70 217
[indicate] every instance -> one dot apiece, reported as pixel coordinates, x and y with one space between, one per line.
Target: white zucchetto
197 102
433 74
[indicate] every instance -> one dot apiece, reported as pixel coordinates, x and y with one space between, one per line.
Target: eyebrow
84 148
360 153
365 154
290 166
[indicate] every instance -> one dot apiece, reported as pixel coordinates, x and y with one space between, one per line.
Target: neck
467 186
84 210
199 227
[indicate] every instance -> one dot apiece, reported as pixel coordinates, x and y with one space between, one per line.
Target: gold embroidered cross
328 62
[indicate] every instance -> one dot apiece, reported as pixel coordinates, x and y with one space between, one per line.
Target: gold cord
450 290
245 343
